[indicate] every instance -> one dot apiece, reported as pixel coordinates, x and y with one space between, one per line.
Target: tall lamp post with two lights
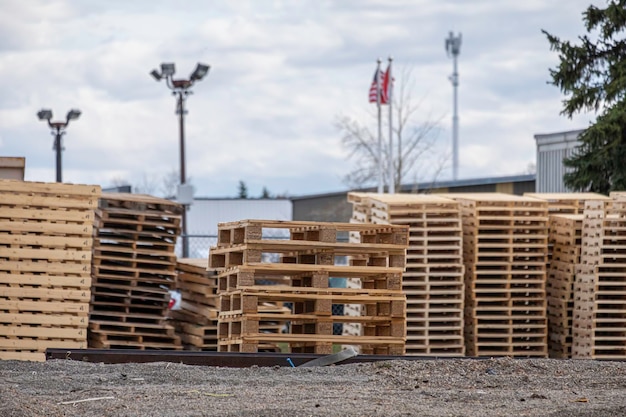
181 88
58 130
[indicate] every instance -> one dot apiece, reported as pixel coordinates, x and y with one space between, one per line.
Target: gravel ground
454 387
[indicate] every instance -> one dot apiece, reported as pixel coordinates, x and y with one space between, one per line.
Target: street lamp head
157 76
200 71
73 114
168 69
44 114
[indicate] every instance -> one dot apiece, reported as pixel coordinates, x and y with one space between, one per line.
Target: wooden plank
87 203
47 241
50 188
337 248
83 256
75 216
47 280
231 316
40 344
23 356
45 319
331 270
318 338
44 306
43 332
45 293
46 267
47 229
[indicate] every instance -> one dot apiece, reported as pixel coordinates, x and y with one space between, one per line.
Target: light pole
453 47
58 130
181 88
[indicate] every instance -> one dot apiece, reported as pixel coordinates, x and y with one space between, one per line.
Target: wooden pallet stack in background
565 237
505 240
433 279
196 320
565 240
306 262
134 267
45 256
599 322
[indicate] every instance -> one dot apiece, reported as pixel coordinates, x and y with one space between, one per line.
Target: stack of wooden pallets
134 267
566 213
196 320
505 240
307 261
433 280
599 322
45 256
565 237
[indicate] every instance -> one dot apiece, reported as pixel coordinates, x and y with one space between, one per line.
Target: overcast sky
281 73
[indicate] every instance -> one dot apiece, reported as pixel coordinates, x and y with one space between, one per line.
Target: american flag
374 87
385 86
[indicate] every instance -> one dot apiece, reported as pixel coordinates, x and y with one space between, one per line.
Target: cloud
281 72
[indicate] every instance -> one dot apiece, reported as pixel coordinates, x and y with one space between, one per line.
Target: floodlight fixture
168 69
73 114
200 71
58 130
156 74
44 114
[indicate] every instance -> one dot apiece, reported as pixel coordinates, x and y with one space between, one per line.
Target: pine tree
592 75
243 190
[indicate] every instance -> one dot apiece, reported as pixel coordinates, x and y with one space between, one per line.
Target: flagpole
380 130
392 183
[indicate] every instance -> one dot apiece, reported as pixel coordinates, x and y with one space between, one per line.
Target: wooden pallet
565 237
433 275
598 327
45 256
133 269
305 260
505 240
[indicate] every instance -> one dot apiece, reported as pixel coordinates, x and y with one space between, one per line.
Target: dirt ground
452 387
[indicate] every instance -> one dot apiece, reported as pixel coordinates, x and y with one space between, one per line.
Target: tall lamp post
181 88
58 130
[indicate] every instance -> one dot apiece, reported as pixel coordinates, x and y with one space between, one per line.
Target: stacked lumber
565 237
599 322
134 268
505 240
433 279
45 256
300 277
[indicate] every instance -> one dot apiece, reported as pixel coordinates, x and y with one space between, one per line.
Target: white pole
380 131
453 47
392 185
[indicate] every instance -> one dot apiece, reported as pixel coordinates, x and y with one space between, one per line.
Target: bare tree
156 184
169 183
413 141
